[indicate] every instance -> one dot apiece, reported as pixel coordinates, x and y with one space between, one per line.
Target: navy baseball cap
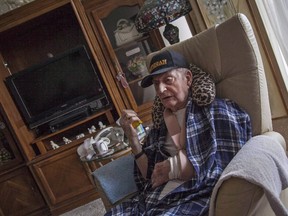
162 62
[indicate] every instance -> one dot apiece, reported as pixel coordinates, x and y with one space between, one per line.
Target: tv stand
72 116
75 124
69 118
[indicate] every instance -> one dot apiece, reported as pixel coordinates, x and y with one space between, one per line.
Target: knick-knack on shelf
101 125
92 129
54 145
66 140
79 136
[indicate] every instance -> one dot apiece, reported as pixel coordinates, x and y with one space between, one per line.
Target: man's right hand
126 120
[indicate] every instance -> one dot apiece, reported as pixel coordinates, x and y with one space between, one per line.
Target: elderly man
180 162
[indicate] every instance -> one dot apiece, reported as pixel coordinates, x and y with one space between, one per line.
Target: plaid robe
215 133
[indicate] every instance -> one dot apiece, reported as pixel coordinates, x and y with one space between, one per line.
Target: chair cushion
203 93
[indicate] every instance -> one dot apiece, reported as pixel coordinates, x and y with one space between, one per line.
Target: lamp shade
156 13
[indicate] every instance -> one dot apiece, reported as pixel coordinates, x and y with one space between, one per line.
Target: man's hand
160 173
127 118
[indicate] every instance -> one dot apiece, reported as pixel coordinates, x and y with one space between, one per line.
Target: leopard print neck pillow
203 86
203 93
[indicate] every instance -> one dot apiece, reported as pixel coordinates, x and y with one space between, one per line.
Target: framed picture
205 13
216 12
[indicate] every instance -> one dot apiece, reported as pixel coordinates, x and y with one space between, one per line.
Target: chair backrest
229 52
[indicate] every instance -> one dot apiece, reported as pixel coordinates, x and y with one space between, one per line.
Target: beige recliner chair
254 181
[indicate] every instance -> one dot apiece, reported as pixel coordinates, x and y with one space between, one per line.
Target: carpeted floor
95 208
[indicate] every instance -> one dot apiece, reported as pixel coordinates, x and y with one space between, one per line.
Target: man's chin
168 104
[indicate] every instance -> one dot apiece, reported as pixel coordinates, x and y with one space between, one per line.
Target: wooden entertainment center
38 179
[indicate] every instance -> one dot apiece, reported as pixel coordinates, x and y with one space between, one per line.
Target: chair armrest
261 166
278 137
115 181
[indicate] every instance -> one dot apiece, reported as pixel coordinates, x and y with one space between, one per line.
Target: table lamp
156 13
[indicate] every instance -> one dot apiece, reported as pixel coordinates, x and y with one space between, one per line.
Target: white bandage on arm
180 166
174 167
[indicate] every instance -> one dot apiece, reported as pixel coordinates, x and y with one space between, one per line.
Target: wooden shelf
135 80
42 145
106 112
125 46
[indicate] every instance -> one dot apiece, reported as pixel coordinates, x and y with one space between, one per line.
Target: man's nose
162 87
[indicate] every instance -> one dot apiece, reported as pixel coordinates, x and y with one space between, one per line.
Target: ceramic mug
102 145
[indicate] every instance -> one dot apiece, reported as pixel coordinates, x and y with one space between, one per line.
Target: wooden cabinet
20 194
27 36
18 190
75 133
63 180
125 52
32 34
9 152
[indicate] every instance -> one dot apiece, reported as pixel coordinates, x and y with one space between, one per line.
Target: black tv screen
55 87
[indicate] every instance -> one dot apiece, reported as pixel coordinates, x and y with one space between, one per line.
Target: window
275 19
271 20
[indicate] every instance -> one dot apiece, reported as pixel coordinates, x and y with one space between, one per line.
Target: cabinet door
63 178
9 153
20 195
126 49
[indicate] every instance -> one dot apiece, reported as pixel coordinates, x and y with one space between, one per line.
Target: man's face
173 87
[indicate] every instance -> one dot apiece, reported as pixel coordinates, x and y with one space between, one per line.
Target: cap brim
148 80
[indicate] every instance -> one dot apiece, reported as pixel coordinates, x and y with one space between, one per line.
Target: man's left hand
160 173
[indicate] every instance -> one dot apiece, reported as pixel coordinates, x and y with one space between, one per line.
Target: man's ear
189 77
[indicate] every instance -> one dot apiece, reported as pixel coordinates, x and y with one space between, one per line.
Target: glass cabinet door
127 50
9 153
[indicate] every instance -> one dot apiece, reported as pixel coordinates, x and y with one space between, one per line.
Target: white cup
102 145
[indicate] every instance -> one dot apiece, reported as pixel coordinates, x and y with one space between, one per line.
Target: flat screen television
61 85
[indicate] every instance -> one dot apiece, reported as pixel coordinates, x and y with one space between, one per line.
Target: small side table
120 149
